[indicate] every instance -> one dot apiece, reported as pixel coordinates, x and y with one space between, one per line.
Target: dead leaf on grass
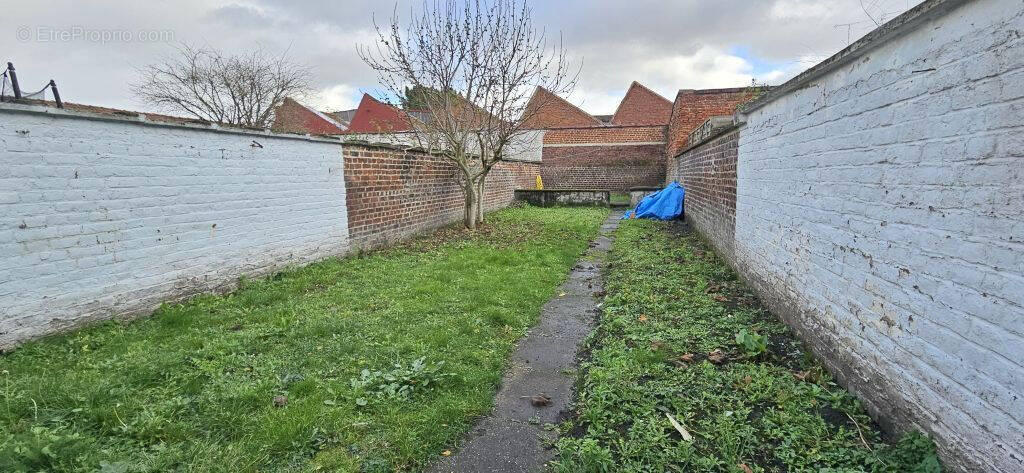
745 468
679 427
687 357
717 356
642 318
280 401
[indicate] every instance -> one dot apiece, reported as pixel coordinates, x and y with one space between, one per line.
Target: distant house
374 116
294 117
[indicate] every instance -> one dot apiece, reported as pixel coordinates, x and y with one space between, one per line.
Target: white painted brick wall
110 217
881 210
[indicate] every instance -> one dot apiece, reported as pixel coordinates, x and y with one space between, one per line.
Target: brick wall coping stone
902 24
414 149
715 134
139 118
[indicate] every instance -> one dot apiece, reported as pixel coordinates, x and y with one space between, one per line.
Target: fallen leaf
679 427
687 357
540 400
642 318
801 375
746 381
720 298
717 356
446 453
280 401
745 468
561 294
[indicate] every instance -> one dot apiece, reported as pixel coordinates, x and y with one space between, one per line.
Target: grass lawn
364 363
761 403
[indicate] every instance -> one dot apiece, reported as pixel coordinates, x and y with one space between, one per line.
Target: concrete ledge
566 197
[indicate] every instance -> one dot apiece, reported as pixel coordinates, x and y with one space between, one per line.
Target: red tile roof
642 106
293 117
547 110
374 116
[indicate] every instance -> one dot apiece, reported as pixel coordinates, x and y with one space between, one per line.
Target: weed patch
689 373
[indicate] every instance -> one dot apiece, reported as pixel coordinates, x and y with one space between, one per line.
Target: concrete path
512 437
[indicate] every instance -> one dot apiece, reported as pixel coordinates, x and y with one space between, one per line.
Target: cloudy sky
93 48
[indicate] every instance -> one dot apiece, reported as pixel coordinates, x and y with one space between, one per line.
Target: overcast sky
92 48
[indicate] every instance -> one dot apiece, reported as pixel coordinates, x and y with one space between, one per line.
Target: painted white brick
103 218
881 210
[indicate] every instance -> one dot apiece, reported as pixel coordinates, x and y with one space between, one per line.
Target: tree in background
240 89
490 58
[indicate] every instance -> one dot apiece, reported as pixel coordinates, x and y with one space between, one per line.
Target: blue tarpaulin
665 204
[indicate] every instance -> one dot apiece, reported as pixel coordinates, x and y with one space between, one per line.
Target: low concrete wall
555 197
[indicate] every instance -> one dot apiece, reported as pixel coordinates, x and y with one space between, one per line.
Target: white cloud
664 45
337 97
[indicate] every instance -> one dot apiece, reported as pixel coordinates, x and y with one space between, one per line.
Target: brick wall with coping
613 158
707 171
394 193
614 168
692 108
879 212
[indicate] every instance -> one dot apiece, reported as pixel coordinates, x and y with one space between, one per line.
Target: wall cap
138 118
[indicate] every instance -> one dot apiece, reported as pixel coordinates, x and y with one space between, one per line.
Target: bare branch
241 89
482 60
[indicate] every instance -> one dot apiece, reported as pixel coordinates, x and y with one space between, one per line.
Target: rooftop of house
294 117
642 106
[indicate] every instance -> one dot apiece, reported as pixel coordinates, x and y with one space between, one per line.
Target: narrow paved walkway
512 437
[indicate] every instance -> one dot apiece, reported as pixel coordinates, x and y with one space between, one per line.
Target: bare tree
239 89
483 59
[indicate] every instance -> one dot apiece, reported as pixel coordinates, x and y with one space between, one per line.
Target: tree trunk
480 199
471 205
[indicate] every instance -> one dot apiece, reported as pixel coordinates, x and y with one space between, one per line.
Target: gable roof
294 117
548 110
374 116
642 106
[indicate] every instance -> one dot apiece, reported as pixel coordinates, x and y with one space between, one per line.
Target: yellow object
540 183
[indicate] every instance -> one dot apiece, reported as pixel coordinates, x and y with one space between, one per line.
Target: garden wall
612 158
880 211
394 193
109 215
707 171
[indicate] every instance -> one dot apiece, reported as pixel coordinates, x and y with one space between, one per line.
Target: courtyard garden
369 362
687 372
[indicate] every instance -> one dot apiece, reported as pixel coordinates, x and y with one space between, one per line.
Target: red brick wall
642 106
708 173
547 110
572 161
694 107
392 194
614 168
606 134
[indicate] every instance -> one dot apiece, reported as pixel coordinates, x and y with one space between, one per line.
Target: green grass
193 387
619 198
767 406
